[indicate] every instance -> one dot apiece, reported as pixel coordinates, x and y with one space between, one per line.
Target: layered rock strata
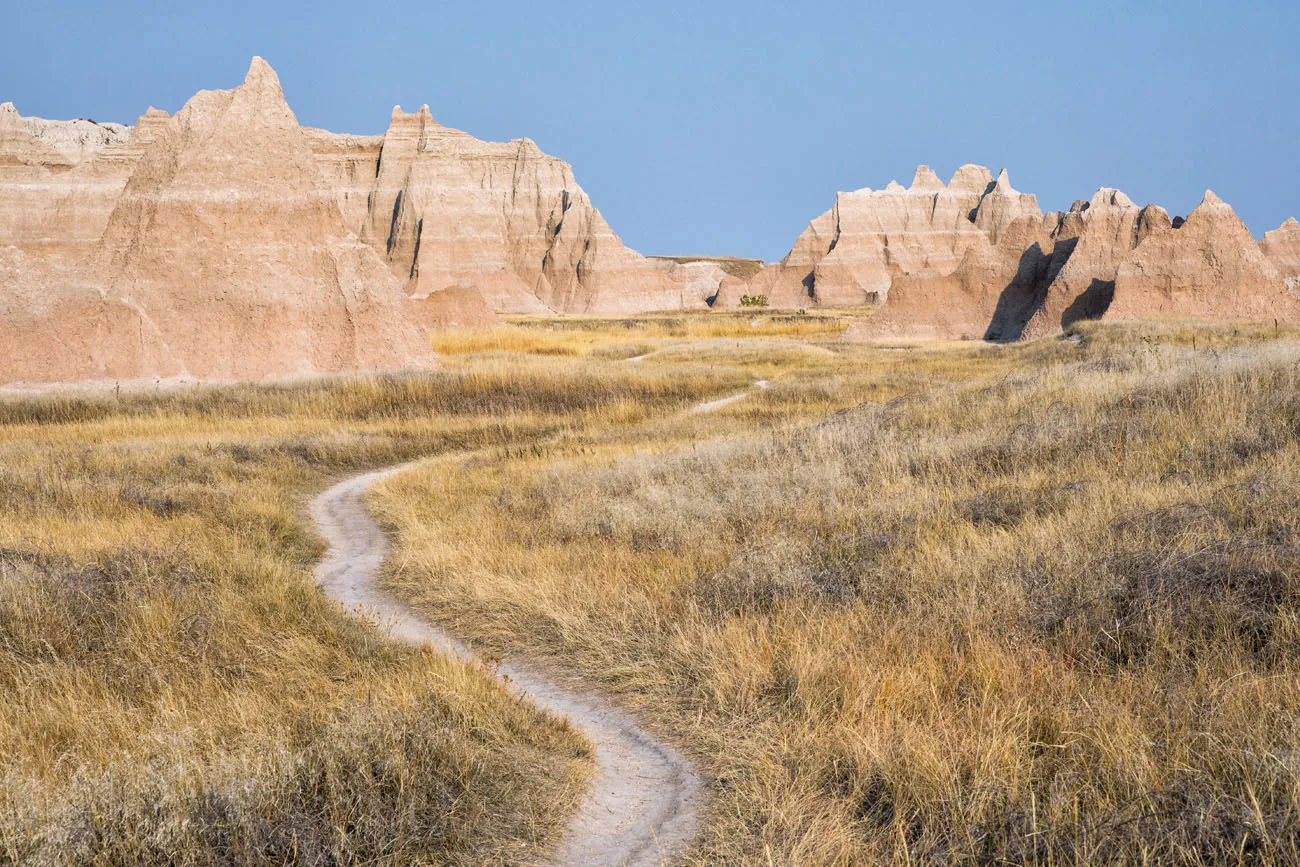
225 257
977 259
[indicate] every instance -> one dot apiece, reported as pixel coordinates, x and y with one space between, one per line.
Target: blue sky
724 127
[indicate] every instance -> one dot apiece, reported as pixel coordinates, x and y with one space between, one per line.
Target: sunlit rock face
977 259
224 257
1210 268
1282 249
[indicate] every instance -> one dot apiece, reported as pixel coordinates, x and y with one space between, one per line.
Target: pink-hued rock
1210 268
455 307
855 252
59 182
1282 249
56 328
1104 231
234 253
504 218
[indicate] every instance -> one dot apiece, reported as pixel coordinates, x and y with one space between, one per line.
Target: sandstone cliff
851 254
978 259
990 291
441 208
59 182
55 327
224 256
1095 237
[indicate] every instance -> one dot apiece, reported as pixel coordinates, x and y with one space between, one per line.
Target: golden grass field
1030 604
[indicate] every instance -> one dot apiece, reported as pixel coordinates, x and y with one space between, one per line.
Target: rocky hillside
975 258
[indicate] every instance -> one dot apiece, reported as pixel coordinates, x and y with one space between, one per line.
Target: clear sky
723 127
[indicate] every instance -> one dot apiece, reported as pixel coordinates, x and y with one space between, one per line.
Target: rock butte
1282 248
1209 268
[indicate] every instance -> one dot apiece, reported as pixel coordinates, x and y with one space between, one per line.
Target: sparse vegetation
753 300
914 603
1028 604
173 689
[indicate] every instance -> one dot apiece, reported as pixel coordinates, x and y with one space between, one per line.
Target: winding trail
642 809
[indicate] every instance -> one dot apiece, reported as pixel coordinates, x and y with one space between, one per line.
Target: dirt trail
642 808
728 401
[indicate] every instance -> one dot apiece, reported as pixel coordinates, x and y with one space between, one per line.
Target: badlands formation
230 243
974 258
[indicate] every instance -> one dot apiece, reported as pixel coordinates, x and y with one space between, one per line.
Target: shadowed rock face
1109 227
1210 268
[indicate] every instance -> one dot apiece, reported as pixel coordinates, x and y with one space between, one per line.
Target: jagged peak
260 74
1211 200
1003 184
423 118
1290 226
8 108
155 112
894 187
925 180
1112 197
971 178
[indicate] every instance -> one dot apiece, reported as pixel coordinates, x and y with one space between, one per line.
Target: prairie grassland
174 689
615 337
1031 604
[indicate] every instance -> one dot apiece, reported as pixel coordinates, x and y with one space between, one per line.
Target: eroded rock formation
1210 268
977 259
225 256
851 254
234 211
446 209
59 182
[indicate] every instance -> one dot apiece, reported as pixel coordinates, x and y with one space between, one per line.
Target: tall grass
1028 605
173 687
603 336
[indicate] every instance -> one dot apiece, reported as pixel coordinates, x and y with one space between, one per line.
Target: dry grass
614 337
1031 604
965 604
174 689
